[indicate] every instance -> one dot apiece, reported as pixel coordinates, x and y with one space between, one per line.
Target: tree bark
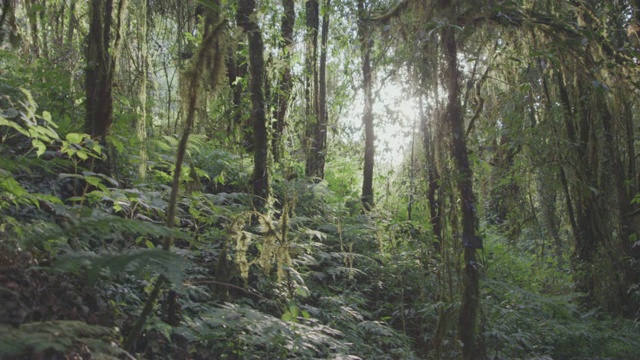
237 69
320 141
286 79
6 9
367 117
72 25
98 76
260 176
468 322
32 15
312 20
143 59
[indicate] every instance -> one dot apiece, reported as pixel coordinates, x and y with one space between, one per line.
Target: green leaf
140 263
82 155
13 125
47 117
40 146
75 138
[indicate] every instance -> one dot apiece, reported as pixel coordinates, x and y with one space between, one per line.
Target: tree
101 63
366 44
316 157
312 23
260 178
285 82
143 65
469 308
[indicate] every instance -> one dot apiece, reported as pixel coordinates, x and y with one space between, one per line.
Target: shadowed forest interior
319 179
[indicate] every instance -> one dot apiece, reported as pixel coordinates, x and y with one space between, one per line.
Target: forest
319 179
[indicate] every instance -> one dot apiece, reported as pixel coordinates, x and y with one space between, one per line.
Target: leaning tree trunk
468 321
367 117
256 70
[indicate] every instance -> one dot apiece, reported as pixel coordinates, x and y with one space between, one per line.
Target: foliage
56 338
549 100
236 330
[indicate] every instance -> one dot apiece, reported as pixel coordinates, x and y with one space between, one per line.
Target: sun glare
395 120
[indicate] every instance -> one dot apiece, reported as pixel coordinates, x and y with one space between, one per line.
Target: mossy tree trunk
468 332
366 43
312 22
260 178
143 64
99 76
285 83
101 60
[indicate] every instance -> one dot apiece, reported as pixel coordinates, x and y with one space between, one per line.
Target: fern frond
95 225
136 262
60 336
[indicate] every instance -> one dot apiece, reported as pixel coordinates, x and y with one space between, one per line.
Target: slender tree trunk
256 69
322 118
286 79
312 20
6 9
72 25
236 71
143 58
58 27
585 233
367 118
194 90
468 332
32 15
44 33
433 178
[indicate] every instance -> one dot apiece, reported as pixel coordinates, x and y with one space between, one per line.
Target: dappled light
319 179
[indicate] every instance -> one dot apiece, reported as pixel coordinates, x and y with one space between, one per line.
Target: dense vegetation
185 179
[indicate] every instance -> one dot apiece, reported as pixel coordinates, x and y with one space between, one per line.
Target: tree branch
394 12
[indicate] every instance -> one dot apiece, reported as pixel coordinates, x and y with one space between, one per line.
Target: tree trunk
468 322
6 9
101 65
42 14
72 25
320 141
32 15
143 59
312 18
286 80
433 179
98 76
256 70
367 117
237 69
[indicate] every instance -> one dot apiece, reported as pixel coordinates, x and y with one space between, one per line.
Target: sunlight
395 117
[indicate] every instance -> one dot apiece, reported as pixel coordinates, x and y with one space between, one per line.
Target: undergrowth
314 277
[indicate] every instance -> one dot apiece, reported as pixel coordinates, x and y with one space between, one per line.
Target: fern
58 336
258 335
85 228
136 262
